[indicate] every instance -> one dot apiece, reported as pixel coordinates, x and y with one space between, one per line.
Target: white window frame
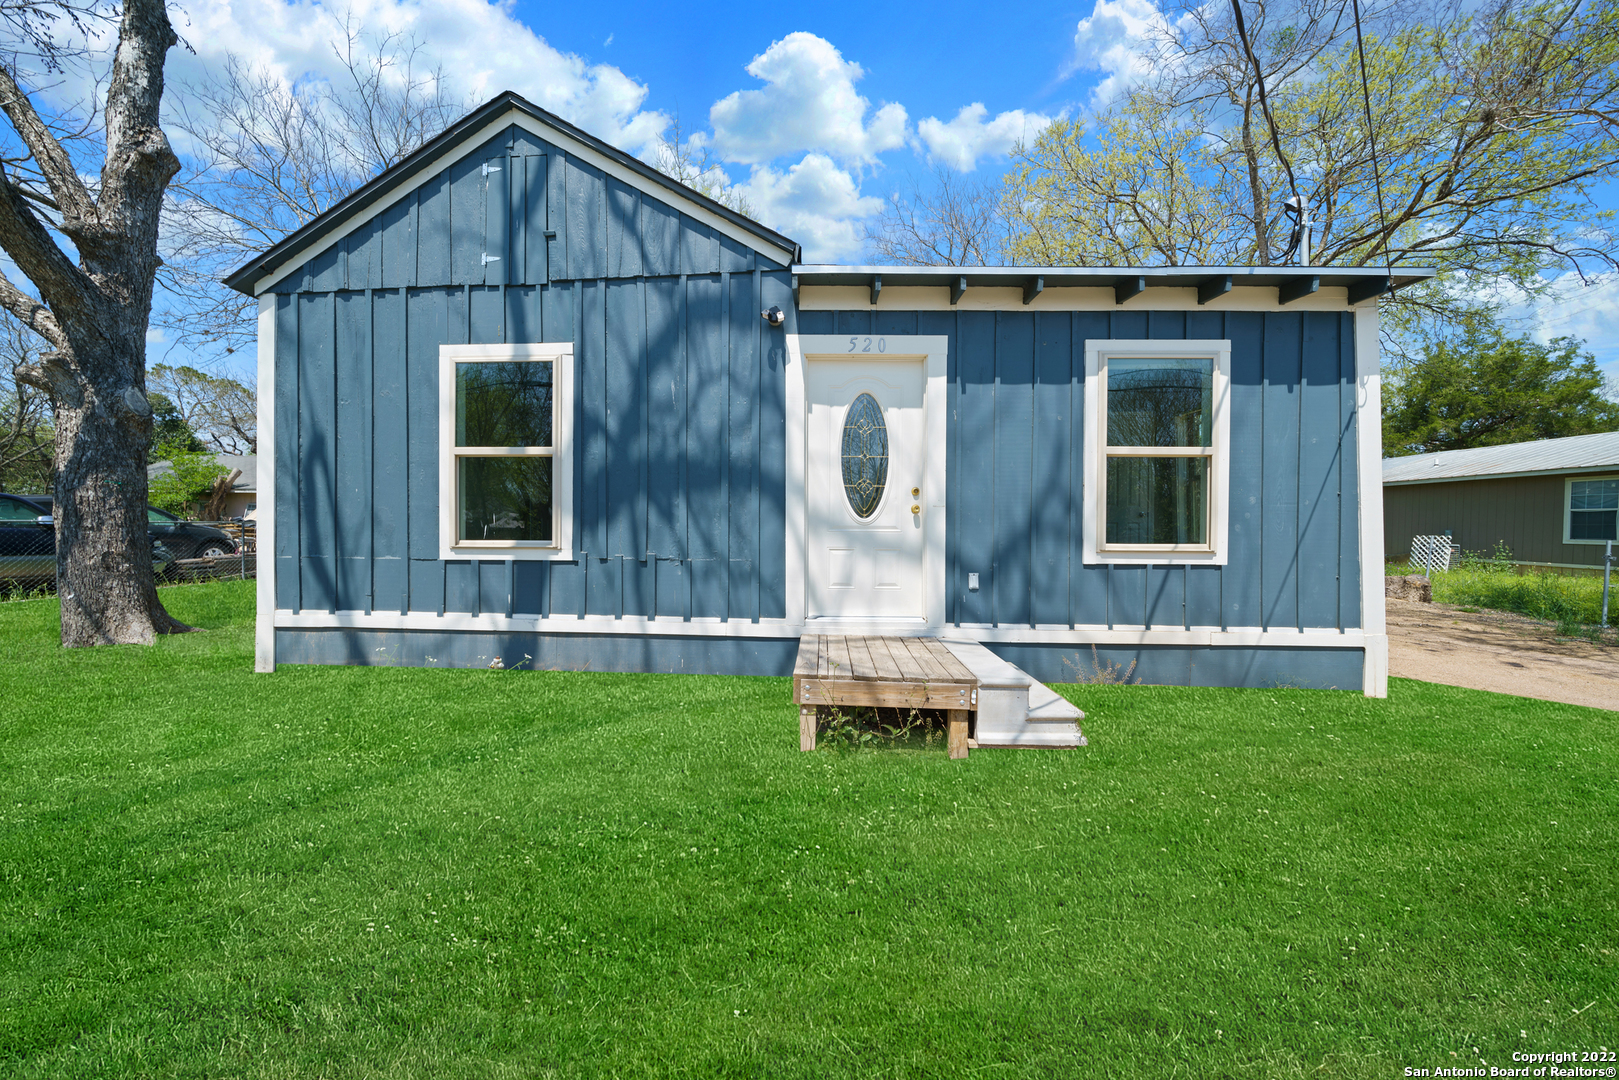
1095 551
560 452
1568 507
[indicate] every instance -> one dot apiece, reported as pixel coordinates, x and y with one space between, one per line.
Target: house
242 502
1553 502
529 397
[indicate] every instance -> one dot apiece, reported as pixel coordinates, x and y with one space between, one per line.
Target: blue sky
818 112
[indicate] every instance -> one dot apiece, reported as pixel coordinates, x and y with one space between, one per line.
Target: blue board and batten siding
680 429
680 419
1013 504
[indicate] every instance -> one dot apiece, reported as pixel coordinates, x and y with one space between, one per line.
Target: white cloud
1116 40
814 202
481 46
968 137
1587 311
809 103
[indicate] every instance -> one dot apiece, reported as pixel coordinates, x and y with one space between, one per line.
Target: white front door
866 498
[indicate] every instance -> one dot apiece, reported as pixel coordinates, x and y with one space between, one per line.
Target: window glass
865 455
158 517
1593 507
1594 495
503 404
11 510
1160 402
505 498
1157 500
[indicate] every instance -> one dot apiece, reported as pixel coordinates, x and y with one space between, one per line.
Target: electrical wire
1270 121
1371 135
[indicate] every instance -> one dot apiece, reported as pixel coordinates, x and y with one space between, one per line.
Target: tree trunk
104 553
94 313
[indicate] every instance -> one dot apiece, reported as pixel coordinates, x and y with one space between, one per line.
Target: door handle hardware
916 493
916 508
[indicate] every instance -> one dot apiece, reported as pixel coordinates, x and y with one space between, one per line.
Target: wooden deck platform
886 672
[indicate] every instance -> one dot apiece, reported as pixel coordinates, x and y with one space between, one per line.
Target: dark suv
28 541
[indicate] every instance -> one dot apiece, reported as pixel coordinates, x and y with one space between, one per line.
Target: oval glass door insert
865 455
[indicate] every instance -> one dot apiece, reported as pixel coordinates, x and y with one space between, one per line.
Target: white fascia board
264 613
1082 636
997 298
563 142
1369 455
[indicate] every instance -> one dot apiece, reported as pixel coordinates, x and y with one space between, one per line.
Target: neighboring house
1554 502
528 396
243 500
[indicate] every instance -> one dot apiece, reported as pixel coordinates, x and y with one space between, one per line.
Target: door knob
916 508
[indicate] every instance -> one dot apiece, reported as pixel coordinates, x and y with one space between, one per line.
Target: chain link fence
181 551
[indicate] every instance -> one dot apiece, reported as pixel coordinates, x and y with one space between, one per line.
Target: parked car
188 539
183 539
28 541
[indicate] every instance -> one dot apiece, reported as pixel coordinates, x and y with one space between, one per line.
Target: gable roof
465 134
1576 453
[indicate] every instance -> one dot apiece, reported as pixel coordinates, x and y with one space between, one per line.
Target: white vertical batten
1369 455
264 560
796 450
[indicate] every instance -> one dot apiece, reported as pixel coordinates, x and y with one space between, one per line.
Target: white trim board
998 298
562 141
1093 475
1237 636
932 349
1369 481
264 561
560 354
1568 510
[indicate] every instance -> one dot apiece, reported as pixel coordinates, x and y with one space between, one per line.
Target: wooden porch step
884 672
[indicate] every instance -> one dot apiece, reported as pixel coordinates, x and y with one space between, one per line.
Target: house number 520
863 344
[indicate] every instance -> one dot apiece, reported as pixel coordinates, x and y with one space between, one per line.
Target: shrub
1559 597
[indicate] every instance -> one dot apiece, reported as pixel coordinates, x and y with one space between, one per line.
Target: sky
818 112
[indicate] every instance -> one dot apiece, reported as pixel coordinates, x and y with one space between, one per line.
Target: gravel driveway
1509 654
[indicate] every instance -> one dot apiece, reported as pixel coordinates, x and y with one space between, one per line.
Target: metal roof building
1553 502
1578 453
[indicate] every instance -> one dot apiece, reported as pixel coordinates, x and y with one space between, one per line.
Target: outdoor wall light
775 316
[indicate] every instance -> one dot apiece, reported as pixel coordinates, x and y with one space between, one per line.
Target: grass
369 872
1570 600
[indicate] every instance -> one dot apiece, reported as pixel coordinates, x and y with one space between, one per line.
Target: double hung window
505 475
1156 452
1592 514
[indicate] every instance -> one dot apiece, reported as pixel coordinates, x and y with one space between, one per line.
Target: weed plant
409 872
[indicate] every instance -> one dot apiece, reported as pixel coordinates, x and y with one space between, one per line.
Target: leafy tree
27 442
1484 390
170 432
1492 128
80 196
218 410
187 479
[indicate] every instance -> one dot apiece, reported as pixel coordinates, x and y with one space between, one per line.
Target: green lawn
379 872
